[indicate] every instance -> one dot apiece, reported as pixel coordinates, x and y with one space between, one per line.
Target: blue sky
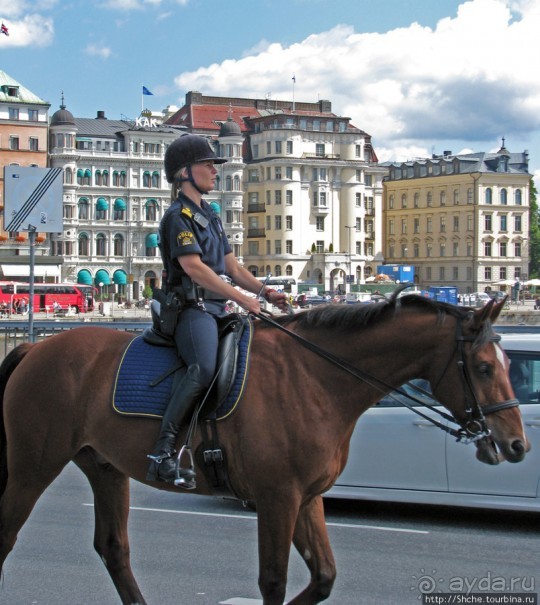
420 76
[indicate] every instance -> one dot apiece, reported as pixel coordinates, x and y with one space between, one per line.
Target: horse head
488 412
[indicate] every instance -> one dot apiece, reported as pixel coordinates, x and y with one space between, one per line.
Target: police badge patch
185 238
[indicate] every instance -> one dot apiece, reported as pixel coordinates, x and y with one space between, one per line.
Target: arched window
151 210
119 209
101 244
98 178
228 183
504 197
60 140
68 176
105 176
488 197
278 270
87 178
518 197
146 179
80 176
236 183
84 248
116 178
288 270
123 178
118 245
155 179
83 208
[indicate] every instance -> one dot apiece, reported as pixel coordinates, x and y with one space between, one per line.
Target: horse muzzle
492 451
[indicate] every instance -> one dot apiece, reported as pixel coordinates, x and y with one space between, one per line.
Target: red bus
47 297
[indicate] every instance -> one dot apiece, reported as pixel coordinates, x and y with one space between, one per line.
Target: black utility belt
202 294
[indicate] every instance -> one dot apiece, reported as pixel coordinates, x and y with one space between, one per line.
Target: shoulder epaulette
187 212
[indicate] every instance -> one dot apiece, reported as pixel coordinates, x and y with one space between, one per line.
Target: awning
119 204
102 277
152 202
88 172
84 277
24 270
152 240
80 172
120 277
102 204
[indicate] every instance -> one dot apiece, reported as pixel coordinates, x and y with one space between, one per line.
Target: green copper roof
13 92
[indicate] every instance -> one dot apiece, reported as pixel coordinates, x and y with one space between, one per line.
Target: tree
534 233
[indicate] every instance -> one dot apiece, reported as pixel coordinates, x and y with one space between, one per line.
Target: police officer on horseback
196 256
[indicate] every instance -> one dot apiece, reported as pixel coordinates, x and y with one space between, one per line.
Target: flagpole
293 83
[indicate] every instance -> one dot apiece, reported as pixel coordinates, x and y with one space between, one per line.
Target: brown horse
286 443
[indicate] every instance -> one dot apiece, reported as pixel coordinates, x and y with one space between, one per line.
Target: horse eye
484 369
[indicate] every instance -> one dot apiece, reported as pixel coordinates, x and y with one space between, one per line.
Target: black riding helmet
186 150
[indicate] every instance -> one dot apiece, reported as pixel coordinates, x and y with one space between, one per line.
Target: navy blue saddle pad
145 375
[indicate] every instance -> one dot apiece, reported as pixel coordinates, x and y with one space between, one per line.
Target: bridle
472 428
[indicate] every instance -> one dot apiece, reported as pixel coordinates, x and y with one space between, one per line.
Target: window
443 224
13 113
277 197
442 249
455 248
504 197
268 147
391 227
268 223
278 148
118 245
33 144
404 201
416 225
277 222
442 273
429 225
288 197
288 172
319 223
146 179
320 246
442 198
502 249
455 273
404 226
487 273
517 223
456 223
416 200
33 115
469 196
278 173
470 222
289 147
489 196
456 197
83 245
429 199
277 246
518 197
391 202
14 143
151 210
100 244
517 249
288 249
504 222
319 149
289 223
155 179
487 248
502 273
488 222
83 208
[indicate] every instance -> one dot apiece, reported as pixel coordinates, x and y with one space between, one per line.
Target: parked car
497 294
398 456
305 301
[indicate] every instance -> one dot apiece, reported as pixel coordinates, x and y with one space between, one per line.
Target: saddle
230 331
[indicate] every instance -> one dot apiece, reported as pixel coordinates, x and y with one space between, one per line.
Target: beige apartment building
310 187
460 220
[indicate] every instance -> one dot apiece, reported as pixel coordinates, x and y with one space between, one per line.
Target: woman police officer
195 253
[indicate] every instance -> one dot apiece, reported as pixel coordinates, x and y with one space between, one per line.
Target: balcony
256 233
256 208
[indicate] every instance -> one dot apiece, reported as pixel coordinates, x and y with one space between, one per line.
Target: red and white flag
4 30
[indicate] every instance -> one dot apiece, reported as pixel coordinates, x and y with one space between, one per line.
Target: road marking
254 518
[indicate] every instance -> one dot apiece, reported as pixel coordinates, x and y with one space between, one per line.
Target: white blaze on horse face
500 356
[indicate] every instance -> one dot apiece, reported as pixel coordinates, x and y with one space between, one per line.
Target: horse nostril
518 448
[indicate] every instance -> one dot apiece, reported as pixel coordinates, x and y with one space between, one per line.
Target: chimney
101 115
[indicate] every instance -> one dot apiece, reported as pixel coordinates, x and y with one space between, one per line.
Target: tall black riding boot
185 395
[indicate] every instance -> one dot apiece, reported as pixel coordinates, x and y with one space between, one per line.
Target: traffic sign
33 198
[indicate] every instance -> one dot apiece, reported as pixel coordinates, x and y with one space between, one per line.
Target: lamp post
348 287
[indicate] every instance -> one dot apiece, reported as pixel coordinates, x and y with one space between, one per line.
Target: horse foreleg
111 510
275 522
311 541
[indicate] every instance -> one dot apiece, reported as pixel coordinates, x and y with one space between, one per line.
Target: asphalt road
194 550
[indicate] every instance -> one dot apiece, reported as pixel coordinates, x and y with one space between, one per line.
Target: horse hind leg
311 541
111 510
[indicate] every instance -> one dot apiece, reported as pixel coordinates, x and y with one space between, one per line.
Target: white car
397 456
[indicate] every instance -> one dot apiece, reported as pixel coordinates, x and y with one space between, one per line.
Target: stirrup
185 477
159 458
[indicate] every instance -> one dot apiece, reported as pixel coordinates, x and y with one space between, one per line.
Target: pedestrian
536 303
195 253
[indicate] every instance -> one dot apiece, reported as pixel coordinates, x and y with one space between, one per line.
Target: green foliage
147 292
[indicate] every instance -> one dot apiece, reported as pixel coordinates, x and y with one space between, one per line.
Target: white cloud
470 78
97 50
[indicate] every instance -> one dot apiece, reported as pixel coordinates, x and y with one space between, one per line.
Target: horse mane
345 318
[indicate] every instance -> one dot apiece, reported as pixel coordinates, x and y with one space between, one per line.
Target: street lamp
349 227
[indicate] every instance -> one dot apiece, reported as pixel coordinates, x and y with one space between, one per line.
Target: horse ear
496 309
489 311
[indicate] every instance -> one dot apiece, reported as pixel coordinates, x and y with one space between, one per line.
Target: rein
475 427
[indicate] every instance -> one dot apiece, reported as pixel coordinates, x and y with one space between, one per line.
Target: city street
194 550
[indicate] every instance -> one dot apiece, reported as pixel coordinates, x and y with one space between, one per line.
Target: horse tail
12 360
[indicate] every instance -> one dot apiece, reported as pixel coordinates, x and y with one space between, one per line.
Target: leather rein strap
475 413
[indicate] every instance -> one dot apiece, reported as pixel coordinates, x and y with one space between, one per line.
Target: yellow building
460 220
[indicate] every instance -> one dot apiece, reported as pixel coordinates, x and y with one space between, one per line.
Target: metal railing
14 333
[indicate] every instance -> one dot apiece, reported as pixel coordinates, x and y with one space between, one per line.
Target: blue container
447 294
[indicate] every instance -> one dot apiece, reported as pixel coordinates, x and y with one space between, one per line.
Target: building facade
24 122
460 220
311 188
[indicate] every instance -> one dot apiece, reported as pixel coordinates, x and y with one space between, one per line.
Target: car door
392 447
467 475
